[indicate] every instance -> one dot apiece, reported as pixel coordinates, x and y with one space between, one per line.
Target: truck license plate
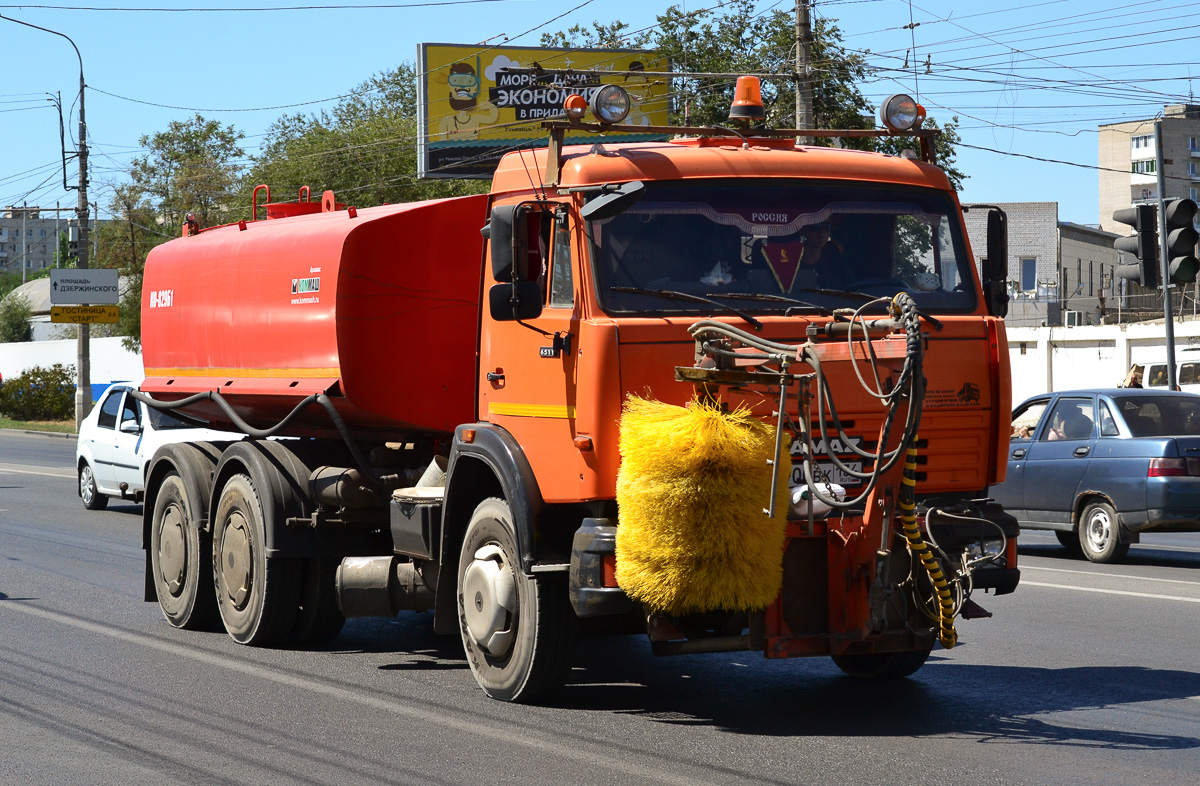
832 472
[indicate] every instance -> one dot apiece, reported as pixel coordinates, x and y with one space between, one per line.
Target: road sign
79 314
95 286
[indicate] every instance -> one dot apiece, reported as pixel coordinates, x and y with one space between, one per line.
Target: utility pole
83 387
1164 256
804 100
24 239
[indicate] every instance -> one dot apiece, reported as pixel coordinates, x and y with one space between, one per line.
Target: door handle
1018 453
1082 451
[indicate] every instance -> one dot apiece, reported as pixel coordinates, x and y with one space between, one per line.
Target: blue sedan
1099 467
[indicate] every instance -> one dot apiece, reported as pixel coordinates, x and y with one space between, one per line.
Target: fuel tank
378 308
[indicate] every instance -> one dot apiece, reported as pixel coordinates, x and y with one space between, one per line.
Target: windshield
162 420
772 245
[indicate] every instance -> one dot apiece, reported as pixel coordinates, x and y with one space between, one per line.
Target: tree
192 167
14 320
364 149
123 244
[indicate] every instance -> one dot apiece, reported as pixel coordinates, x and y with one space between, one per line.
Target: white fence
110 361
1067 358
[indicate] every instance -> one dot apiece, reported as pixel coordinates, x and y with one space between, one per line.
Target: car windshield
1161 416
163 420
774 246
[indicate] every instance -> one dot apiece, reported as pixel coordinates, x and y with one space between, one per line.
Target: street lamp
83 389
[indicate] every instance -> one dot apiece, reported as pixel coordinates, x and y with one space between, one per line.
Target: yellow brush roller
691 491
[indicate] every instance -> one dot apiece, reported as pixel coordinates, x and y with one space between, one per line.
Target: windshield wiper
677 295
773 299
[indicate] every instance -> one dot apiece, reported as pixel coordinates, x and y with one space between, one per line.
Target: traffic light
1143 245
1181 241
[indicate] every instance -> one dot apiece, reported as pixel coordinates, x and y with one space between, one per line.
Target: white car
118 439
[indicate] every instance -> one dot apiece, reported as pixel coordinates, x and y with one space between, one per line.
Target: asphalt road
1086 675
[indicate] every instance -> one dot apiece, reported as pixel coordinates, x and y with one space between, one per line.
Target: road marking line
474 726
1109 591
20 470
1025 567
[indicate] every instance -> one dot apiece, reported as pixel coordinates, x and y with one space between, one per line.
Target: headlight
901 113
610 104
988 548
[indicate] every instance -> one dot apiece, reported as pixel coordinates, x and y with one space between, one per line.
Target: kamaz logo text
826 447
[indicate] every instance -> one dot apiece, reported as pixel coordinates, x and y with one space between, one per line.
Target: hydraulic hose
917 545
260 433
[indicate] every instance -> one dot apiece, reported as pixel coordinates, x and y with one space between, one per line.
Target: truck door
528 365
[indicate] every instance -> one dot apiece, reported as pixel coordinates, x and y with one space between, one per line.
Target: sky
1027 80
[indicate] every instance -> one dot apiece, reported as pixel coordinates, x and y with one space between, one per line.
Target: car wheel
258 597
882 665
91 496
518 632
1099 534
180 556
1069 541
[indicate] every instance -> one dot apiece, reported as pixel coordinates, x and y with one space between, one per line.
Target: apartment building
1059 272
28 235
1128 172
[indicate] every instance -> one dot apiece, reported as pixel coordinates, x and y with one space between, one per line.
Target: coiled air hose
258 433
917 545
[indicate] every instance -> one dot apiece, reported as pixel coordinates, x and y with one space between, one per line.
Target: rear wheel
258 597
882 665
180 556
1100 533
518 632
318 620
91 496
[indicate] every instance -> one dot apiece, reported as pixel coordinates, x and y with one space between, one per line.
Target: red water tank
377 307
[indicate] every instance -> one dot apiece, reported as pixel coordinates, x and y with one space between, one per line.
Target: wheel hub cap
490 600
85 485
172 550
1099 530
236 567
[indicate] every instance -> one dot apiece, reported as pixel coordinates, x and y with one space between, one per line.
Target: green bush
40 394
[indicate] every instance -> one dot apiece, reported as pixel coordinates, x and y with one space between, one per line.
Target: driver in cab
808 259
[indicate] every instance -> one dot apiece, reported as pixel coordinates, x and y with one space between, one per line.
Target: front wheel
518 632
91 496
882 665
1100 534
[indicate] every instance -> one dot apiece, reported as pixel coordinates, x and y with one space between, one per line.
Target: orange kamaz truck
727 391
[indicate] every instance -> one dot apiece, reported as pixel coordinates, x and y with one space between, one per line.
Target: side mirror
131 427
519 300
995 267
501 238
614 202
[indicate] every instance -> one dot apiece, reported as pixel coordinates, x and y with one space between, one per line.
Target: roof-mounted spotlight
747 100
575 106
901 112
610 104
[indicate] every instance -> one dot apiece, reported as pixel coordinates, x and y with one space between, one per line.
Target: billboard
471 111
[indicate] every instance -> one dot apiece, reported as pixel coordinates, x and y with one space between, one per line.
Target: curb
42 433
